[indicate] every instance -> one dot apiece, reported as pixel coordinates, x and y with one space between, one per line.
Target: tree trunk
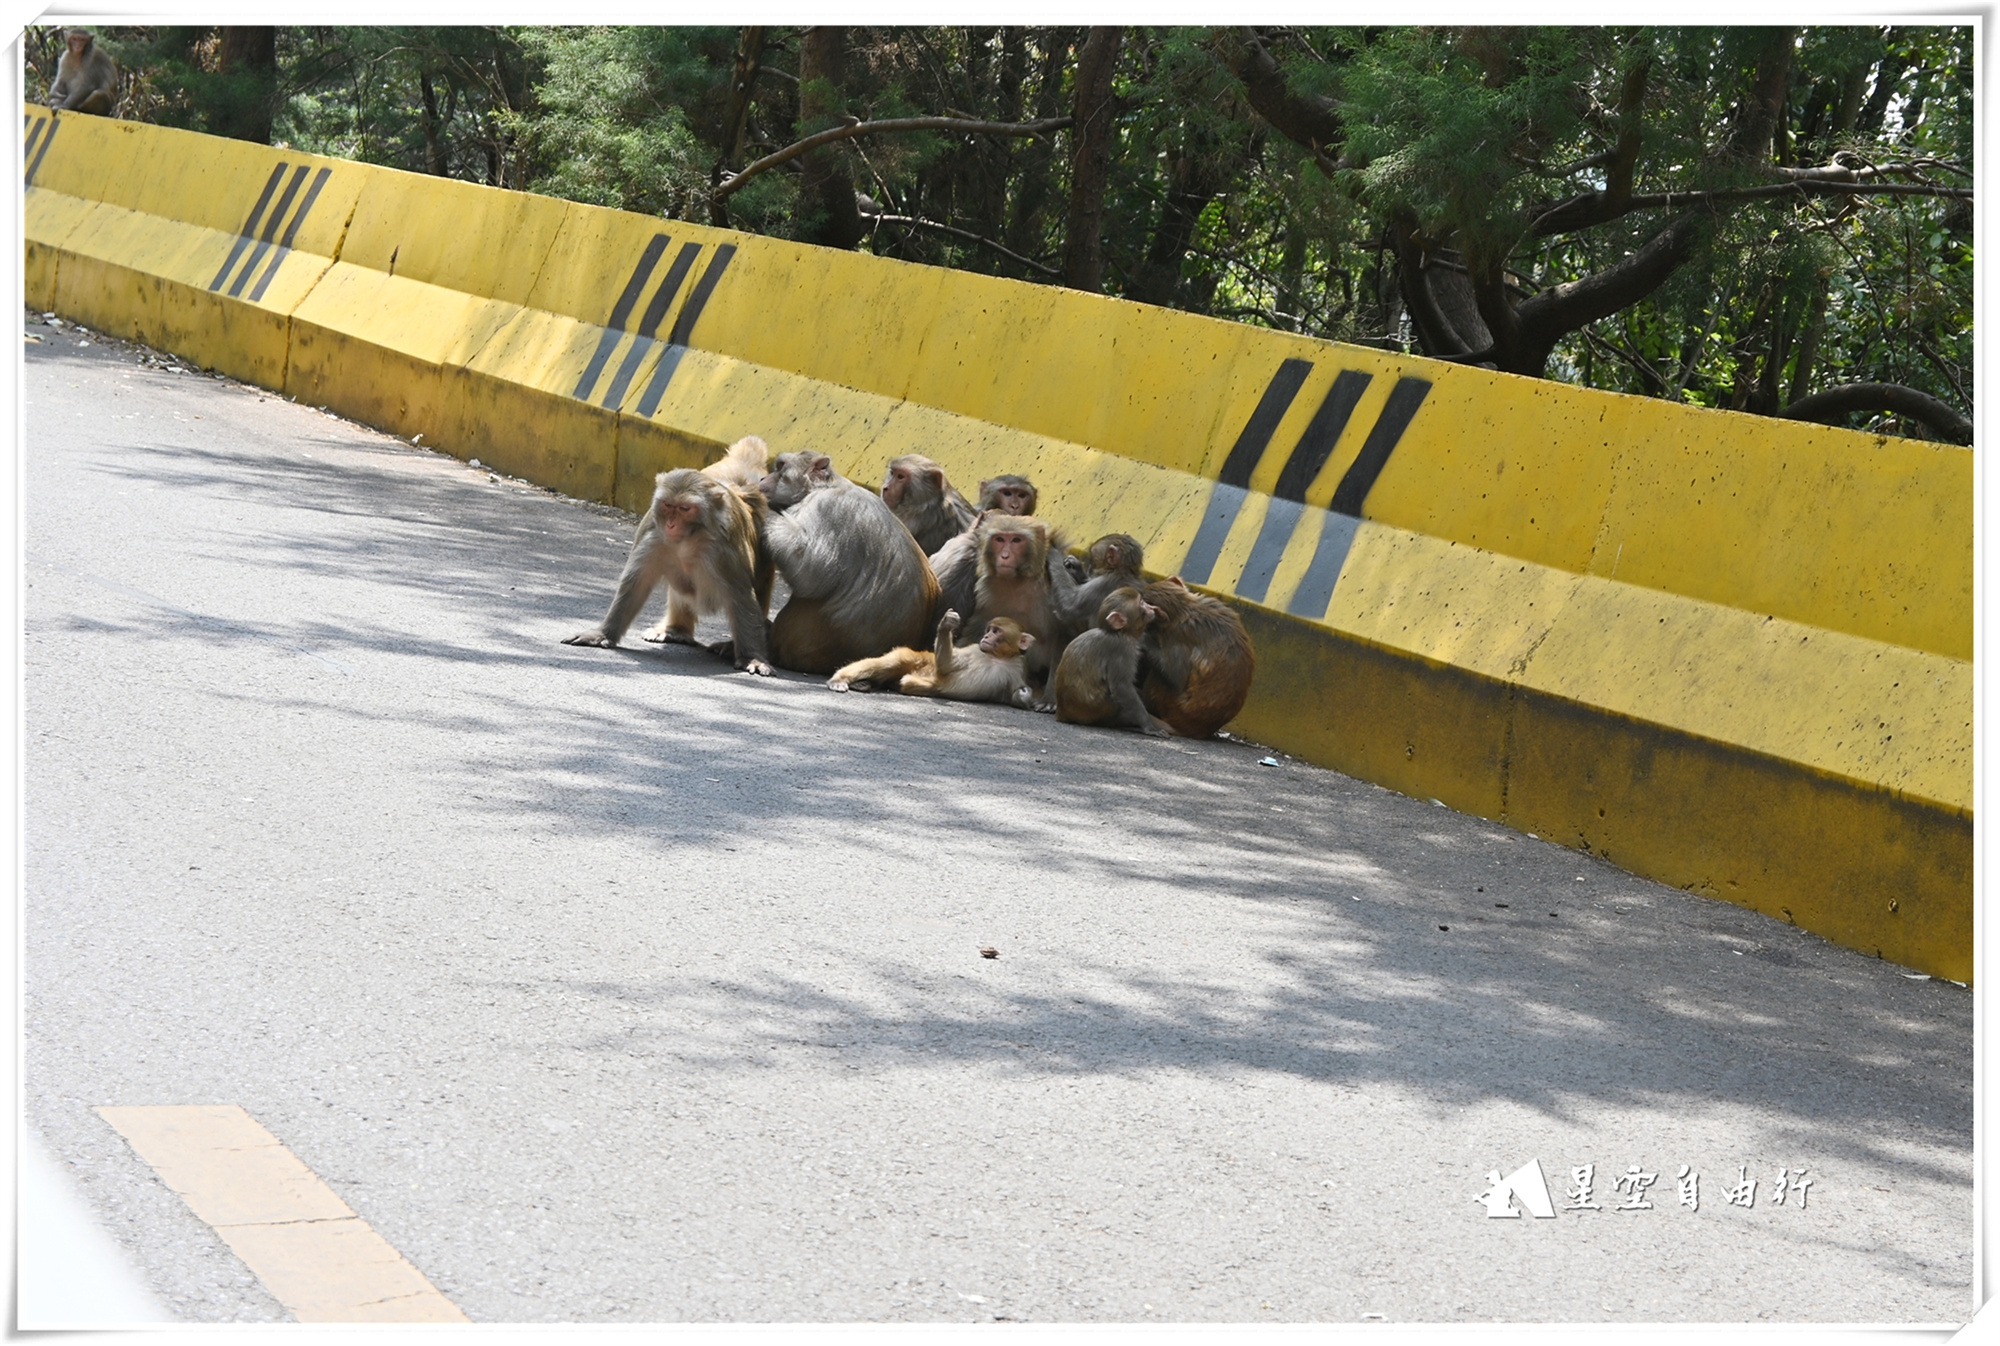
434 159
826 213
249 56
1090 160
1024 223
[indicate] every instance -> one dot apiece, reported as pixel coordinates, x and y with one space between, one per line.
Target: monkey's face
1015 500
893 486
678 515
1004 639
1008 552
79 43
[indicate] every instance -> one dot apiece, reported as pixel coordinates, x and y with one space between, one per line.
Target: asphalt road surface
617 986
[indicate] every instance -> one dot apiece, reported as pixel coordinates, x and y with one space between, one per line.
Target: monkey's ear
822 467
1152 613
936 475
1115 620
1027 640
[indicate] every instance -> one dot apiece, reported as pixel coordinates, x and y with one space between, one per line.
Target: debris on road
988 951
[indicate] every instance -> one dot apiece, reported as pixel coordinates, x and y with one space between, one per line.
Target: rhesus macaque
916 491
860 583
1012 580
991 670
86 79
1009 494
740 467
1113 562
703 538
1198 659
1097 680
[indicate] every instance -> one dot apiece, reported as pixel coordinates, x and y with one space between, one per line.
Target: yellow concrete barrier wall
1729 652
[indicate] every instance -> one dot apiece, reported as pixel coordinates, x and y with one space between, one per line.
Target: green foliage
1463 137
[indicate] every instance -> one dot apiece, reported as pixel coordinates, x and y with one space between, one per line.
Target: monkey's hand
837 684
1025 699
1159 728
591 637
667 635
950 622
756 667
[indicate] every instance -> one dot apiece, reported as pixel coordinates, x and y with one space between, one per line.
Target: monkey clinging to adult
86 79
1198 659
1097 680
915 490
991 670
703 537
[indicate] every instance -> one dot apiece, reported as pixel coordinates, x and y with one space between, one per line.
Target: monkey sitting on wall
991 670
1097 680
86 79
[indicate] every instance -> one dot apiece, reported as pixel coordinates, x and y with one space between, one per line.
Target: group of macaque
1086 636
86 79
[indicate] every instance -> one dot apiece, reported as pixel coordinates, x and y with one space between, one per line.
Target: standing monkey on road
86 79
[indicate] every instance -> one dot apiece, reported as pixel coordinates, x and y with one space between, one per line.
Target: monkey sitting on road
992 670
1113 562
1097 680
860 583
916 491
86 79
1198 659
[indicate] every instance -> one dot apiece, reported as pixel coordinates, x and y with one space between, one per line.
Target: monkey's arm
1121 683
635 586
946 629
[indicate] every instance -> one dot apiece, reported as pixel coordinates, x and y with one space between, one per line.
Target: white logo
1526 1185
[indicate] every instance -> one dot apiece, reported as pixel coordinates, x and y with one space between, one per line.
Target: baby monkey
1097 680
992 670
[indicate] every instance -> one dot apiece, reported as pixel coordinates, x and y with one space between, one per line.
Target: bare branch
1829 406
886 127
917 222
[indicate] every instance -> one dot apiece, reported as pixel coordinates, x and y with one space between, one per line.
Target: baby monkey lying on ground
992 670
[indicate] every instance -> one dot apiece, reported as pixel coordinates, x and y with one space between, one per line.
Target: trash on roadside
1267 761
988 951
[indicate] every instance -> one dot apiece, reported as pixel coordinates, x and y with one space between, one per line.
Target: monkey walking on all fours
86 79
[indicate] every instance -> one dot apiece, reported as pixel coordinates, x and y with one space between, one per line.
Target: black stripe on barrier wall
249 229
621 310
52 122
1339 525
1404 399
291 232
677 340
271 224
663 298
1232 482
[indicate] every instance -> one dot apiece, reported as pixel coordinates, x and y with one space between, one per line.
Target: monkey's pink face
893 486
77 45
1015 500
677 518
995 637
1009 552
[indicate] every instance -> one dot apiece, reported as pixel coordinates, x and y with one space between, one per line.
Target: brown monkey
740 467
702 537
991 670
1012 580
86 79
916 491
1097 680
860 583
1009 494
1198 660
1113 561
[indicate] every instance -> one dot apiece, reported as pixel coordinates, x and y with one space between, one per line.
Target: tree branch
895 124
1829 406
917 222
1310 122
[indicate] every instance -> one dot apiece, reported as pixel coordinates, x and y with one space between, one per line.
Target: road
616 986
